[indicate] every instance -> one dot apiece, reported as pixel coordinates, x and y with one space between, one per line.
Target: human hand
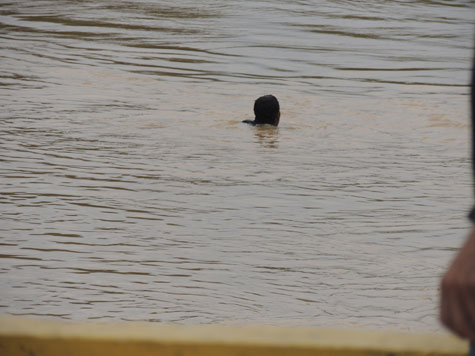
457 309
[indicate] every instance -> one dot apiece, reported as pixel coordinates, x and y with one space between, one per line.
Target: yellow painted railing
32 337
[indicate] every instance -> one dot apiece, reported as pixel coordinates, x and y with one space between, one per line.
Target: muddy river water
130 189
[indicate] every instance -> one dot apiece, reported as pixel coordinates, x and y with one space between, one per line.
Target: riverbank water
130 190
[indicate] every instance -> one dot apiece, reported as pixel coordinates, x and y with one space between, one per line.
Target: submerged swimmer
266 111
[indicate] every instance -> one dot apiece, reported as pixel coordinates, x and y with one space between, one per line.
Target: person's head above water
267 110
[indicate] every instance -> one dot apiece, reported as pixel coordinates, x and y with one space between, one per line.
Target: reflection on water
131 190
267 136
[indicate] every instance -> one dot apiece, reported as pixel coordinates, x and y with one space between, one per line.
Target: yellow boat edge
38 337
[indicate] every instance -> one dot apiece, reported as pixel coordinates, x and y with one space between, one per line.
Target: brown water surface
131 190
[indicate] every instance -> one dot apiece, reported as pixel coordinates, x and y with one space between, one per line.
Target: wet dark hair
266 109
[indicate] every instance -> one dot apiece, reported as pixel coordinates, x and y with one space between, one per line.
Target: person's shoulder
250 122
